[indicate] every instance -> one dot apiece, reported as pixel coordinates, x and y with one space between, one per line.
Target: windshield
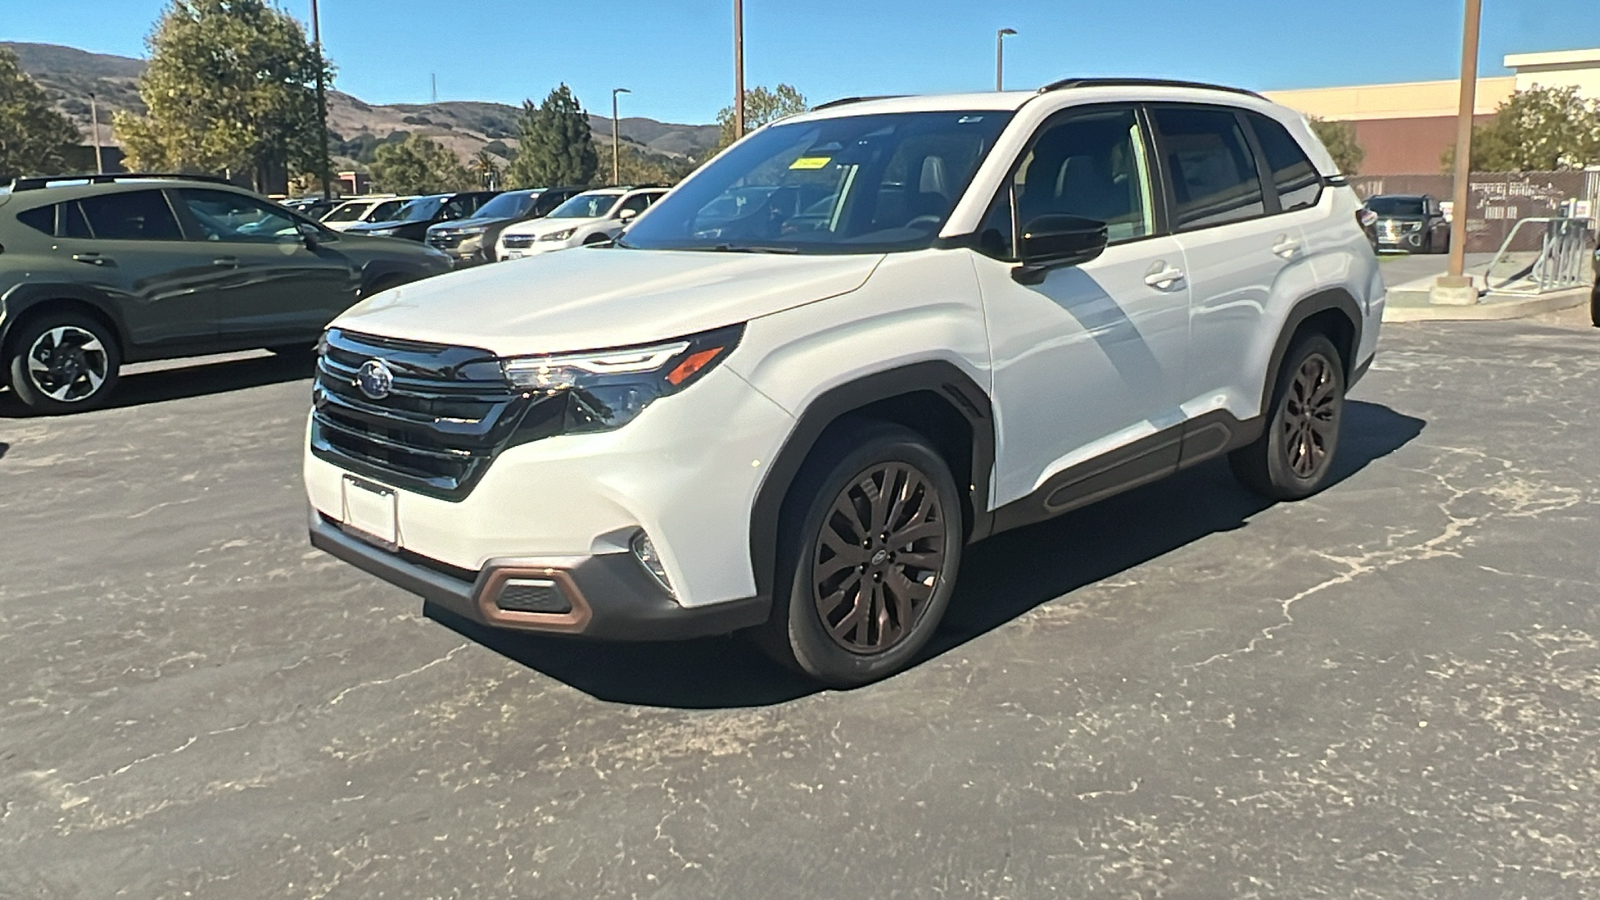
849 185
419 210
1396 206
349 212
586 206
507 206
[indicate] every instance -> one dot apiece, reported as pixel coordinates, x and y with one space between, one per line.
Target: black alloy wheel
1295 453
869 549
62 363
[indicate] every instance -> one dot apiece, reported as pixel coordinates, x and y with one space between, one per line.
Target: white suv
856 341
592 217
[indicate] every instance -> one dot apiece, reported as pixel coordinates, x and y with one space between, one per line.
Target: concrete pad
1412 306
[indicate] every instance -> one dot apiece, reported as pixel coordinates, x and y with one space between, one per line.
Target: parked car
471 241
752 413
311 207
363 209
1412 222
411 221
102 270
592 217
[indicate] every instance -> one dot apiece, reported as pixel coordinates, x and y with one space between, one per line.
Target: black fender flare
942 379
18 301
379 270
1305 308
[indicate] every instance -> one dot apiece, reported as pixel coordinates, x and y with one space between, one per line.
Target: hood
591 298
549 226
374 226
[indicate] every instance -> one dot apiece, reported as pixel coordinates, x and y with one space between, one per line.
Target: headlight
561 235
471 229
384 232
609 388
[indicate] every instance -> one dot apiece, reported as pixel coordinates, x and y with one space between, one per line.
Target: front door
1093 358
278 287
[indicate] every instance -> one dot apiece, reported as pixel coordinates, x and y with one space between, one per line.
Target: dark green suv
100 270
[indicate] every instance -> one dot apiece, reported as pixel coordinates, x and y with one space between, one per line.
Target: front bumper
606 596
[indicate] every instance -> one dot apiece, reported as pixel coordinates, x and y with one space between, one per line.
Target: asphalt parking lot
1389 690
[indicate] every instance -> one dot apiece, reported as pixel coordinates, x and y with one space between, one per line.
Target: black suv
100 270
413 219
471 241
1413 222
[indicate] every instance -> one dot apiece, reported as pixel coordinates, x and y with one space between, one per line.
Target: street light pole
1456 288
738 69
1000 57
322 103
616 165
94 123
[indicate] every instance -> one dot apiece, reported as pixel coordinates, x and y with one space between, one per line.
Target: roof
1109 89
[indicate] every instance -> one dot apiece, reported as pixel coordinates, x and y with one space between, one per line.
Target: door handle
93 259
226 262
1162 276
1286 246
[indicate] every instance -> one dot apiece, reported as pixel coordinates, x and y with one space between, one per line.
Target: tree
1537 130
639 165
554 145
485 168
1340 139
760 107
231 86
418 165
34 138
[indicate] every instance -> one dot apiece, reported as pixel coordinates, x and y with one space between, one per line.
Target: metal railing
1562 261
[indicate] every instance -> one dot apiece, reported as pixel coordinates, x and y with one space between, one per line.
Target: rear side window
41 219
1298 182
74 225
1214 177
131 216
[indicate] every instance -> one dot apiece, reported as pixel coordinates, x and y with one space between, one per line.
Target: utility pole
738 69
1000 57
433 78
322 103
1456 289
616 160
94 123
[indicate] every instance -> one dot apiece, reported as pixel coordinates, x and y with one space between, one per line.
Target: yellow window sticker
811 162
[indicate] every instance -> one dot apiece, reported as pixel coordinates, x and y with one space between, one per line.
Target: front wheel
1295 453
870 547
63 362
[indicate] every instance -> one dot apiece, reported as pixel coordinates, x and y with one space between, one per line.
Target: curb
1490 309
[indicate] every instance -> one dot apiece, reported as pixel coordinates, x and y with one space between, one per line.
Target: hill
68 75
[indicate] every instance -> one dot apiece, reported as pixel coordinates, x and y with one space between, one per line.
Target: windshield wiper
752 248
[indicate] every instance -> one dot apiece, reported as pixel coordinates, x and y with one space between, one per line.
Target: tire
1594 306
63 362
1295 453
596 239
820 624
1427 244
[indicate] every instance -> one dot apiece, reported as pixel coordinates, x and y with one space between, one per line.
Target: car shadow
185 381
1001 579
3 448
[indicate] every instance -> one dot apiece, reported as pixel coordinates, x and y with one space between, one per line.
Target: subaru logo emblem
375 379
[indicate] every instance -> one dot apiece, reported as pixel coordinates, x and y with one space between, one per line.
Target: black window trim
1159 200
191 226
1322 180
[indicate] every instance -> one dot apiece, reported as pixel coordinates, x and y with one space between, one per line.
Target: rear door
276 287
128 245
1240 249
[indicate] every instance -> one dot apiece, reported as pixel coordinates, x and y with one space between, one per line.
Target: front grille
518 241
449 412
533 597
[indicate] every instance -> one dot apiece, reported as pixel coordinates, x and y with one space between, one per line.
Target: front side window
383 212
853 184
1298 183
1214 176
131 216
507 206
1092 165
419 210
234 218
349 212
1397 206
637 203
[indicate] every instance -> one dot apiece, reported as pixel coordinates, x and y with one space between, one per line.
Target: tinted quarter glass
41 219
73 224
1091 165
131 216
1298 182
233 218
1214 178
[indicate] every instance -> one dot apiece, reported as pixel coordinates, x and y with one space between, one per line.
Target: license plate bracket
371 512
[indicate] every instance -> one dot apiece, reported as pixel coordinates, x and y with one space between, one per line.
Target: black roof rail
38 182
1067 83
846 100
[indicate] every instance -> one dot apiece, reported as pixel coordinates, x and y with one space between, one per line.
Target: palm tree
487 169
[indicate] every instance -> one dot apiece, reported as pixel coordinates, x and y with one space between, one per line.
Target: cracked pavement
1388 690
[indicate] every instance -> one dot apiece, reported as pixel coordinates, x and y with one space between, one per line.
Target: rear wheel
63 362
1294 455
868 558
1594 306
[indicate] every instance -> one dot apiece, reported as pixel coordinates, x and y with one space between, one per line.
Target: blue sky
676 55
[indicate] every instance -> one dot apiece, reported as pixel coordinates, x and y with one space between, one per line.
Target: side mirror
310 235
1050 242
627 214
